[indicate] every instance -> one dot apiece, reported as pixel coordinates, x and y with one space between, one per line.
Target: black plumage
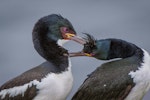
46 33
111 80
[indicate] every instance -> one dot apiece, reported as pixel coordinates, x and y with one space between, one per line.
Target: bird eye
65 29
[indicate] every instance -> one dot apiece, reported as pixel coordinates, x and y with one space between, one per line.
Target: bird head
49 34
93 48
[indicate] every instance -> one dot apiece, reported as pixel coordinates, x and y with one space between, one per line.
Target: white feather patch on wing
17 90
52 87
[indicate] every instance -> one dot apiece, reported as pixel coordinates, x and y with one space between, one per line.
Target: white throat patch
61 42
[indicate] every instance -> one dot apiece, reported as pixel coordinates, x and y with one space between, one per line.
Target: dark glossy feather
110 81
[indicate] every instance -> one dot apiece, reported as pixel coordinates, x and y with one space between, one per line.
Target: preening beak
75 38
80 41
74 54
80 53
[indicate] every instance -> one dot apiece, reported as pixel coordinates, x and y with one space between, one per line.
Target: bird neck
116 48
50 50
122 49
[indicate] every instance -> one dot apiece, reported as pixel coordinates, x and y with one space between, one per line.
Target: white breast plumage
141 78
55 86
